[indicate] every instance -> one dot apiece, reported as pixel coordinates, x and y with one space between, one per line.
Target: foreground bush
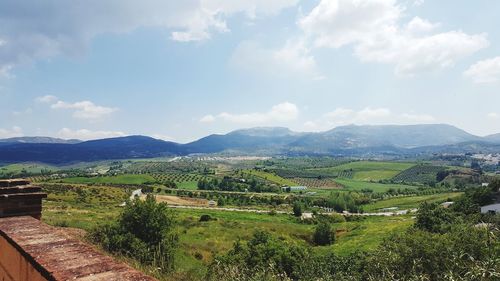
143 232
323 234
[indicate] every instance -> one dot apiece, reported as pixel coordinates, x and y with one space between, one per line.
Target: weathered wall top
55 256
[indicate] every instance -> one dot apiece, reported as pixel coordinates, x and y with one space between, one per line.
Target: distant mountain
493 138
105 149
267 140
38 140
400 136
366 141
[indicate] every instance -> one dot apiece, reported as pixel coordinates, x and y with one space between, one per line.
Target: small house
446 204
212 203
306 216
293 188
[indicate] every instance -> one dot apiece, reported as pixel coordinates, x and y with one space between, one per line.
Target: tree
297 209
144 231
323 234
434 218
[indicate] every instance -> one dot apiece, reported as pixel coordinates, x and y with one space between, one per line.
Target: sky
181 70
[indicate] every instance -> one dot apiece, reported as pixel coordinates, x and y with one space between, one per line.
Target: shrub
144 232
297 209
205 218
323 234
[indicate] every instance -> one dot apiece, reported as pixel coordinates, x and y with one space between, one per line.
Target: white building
294 188
493 208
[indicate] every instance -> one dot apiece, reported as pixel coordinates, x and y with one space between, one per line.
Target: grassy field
410 202
369 170
29 168
270 177
206 239
81 206
376 187
191 185
84 207
120 179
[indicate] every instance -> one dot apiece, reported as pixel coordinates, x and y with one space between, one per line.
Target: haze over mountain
345 140
38 140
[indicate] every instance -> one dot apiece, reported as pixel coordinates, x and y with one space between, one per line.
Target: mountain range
352 140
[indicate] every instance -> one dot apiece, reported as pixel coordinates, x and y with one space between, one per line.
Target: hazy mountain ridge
346 140
38 139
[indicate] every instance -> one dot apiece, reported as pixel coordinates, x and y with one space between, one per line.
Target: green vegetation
270 177
25 170
408 202
119 179
426 174
366 170
443 244
144 232
374 186
323 234
212 244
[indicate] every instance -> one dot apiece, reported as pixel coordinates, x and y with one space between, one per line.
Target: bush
144 232
323 234
205 218
433 217
297 209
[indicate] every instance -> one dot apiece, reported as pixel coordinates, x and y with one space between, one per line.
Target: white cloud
374 31
10 133
46 99
44 29
366 116
485 71
292 60
84 134
207 118
85 109
418 25
282 112
418 3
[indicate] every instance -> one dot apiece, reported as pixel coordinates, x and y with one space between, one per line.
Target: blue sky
180 70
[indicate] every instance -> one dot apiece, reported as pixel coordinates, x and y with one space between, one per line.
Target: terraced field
374 186
366 170
419 173
274 178
317 183
183 181
119 179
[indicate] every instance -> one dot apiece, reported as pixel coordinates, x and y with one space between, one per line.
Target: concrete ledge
31 250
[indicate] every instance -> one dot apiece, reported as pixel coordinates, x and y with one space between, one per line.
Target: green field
368 170
85 207
192 185
17 169
376 187
119 179
270 177
410 201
